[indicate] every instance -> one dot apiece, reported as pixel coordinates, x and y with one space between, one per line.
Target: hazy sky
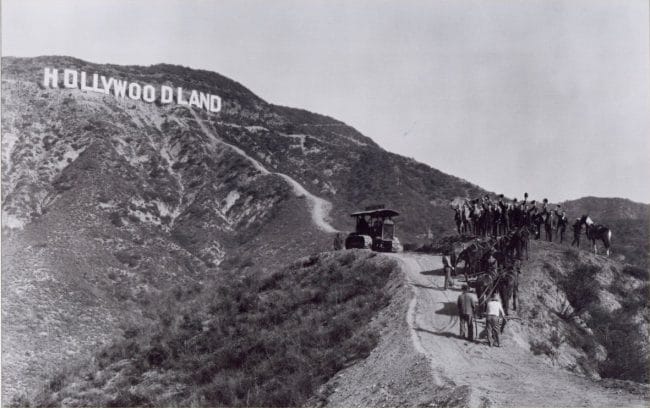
549 97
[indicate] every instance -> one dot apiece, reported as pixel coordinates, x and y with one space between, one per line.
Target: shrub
626 359
556 339
541 347
269 342
581 288
128 258
637 272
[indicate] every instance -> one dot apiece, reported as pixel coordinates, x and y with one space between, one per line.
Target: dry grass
250 342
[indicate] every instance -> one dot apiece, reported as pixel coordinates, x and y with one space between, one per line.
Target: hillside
565 340
628 220
558 349
142 230
109 203
242 342
579 335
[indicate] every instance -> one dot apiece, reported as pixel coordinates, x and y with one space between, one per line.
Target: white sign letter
69 78
107 84
119 88
205 101
134 91
215 107
166 94
148 93
96 84
179 97
84 87
194 99
51 76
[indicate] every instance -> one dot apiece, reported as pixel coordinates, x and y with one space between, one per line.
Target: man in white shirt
494 311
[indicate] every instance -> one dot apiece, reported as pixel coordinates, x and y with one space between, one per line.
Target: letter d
215 103
166 94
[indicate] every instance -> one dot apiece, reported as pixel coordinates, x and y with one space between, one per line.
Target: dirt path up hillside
507 376
318 207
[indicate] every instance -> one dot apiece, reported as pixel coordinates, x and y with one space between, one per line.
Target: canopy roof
382 213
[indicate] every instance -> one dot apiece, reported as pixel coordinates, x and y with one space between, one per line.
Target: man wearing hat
562 222
466 305
494 312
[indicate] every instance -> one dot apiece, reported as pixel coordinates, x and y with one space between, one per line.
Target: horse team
502 231
493 264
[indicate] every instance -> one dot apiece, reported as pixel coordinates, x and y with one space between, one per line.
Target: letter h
51 76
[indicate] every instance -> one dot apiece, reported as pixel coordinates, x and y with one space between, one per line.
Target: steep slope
112 202
243 342
115 212
522 372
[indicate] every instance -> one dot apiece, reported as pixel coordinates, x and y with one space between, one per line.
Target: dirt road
506 376
318 207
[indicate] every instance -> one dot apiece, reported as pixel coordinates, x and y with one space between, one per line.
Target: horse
455 250
474 256
518 242
482 285
597 232
508 286
505 283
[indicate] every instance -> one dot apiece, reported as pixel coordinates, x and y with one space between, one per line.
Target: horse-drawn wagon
489 266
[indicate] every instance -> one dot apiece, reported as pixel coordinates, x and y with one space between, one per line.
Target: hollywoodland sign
120 89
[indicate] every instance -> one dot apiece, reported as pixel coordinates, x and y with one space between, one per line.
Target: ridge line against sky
549 97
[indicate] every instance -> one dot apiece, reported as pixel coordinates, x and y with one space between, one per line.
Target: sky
543 96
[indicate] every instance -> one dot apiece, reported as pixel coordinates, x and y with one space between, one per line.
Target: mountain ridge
122 202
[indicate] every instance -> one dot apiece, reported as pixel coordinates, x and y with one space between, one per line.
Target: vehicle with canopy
375 229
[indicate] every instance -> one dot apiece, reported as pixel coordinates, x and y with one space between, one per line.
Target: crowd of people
485 217
502 227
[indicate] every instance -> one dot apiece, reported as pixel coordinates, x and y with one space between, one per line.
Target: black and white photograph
314 203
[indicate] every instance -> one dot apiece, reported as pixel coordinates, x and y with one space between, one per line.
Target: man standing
577 230
562 221
446 264
494 312
466 305
338 242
